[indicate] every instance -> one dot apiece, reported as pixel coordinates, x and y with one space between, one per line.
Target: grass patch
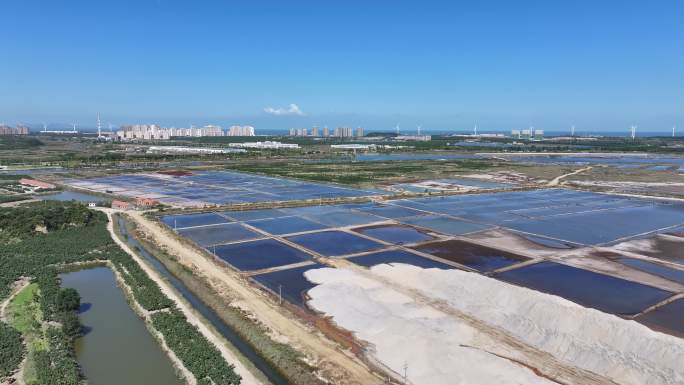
359 173
24 310
25 315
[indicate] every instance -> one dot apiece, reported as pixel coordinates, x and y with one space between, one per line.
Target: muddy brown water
478 257
116 347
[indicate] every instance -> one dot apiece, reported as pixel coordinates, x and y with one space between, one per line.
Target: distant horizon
425 131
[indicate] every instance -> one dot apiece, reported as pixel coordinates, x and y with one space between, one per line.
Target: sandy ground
247 377
17 287
419 317
556 181
338 366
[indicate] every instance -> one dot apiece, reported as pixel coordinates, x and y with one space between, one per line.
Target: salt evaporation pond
599 291
218 234
395 234
286 225
654 268
260 254
191 220
477 257
397 256
290 283
667 319
334 243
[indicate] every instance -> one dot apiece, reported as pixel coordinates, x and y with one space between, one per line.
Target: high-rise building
211 130
344 132
359 132
314 131
240 131
18 130
298 132
326 132
526 134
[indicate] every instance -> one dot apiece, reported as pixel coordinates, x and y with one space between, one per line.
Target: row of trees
11 349
17 223
81 236
197 353
75 234
145 291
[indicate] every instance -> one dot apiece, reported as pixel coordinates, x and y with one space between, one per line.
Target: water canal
224 329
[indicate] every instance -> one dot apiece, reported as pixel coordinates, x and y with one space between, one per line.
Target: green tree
68 300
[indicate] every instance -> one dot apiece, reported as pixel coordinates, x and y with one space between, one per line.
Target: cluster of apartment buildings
339 132
271 145
6 130
155 132
528 134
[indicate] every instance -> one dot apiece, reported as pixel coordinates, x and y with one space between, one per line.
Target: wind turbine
633 131
572 130
475 129
419 127
397 128
673 131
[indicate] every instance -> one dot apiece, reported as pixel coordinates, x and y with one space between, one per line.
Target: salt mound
436 349
625 351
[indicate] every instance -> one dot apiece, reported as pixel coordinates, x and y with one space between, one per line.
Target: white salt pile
441 349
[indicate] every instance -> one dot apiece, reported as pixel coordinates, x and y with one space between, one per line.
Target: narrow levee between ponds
215 320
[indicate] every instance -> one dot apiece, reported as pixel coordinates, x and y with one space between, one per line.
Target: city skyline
502 66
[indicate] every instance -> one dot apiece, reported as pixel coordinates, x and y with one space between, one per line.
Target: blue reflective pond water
260 254
397 256
335 243
216 234
599 291
654 268
395 234
189 220
291 282
286 225
667 319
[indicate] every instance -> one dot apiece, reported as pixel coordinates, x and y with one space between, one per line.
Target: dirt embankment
247 377
336 365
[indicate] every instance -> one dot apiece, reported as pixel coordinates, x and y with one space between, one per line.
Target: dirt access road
247 377
336 365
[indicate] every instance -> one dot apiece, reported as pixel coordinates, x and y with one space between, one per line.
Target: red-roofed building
36 183
117 204
145 202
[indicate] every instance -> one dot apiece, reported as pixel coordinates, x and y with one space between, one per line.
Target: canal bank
165 281
327 361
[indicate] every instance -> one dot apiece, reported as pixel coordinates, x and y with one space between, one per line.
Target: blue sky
601 64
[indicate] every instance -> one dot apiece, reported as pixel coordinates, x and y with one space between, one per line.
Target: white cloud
292 109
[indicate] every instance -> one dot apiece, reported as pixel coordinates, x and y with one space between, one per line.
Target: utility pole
280 294
405 373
